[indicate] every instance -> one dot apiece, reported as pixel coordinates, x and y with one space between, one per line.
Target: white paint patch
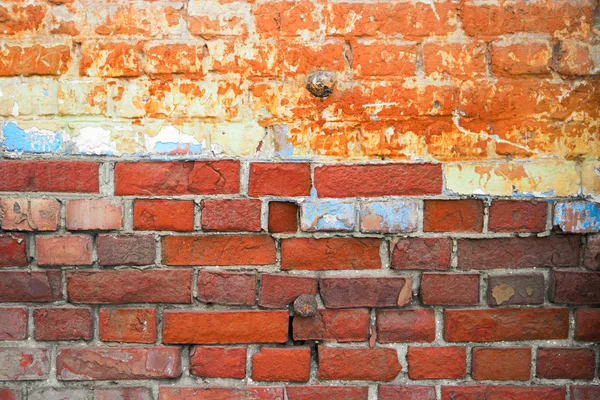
168 134
15 109
94 140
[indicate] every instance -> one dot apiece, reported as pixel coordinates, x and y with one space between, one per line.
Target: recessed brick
62 324
163 215
128 325
283 217
453 216
218 362
97 214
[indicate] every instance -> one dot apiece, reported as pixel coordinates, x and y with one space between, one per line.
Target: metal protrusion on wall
321 83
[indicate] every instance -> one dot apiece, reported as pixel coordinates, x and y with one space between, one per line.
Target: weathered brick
333 325
515 289
330 253
383 59
129 286
583 392
285 18
111 59
18 214
226 327
405 325
437 362
199 393
378 364
163 215
591 257
177 178
231 215
453 216
421 253
13 250
587 324
22 18
49 176
449 289
327 392
174 58
283 217
13 324
126 249
274 364
82 97
229 288
218 250
506 324
565 363
64 250
24 363
551 251
37 59
573 58
128 325
298 57
578 217
327 215
218 362
518 216
378 180
279 179
9 394
455 59
501 363
117 363
521 58
365 292
62 324
97 214
390 216
30 286
278 290
503 392
574 287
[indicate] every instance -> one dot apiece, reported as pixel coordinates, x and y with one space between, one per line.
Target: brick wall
181 218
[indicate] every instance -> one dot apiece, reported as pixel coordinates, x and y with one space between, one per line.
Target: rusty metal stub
321 83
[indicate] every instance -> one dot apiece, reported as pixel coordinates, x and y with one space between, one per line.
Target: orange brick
525 58
174 58
289 364
465 60
114 59
34 60
383 59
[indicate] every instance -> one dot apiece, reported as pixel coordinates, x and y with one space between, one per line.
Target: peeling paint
32 140
577 217
389 216
95 140
327 215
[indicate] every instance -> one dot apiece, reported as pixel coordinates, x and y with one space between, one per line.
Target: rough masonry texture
300 200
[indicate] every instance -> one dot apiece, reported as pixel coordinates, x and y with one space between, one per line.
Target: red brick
277 364
283 217
218 362
365 292
587 324
502 363
226 327
330 253
502 392
565 363
505 324
177 178
416 325
333 325
13 324
378 180
383 59
128 325
278 291
48 176
111 59
163 215
449 289
453 216
126 249
164 60
528 252
574 287
117 363
8 394
582 392
30 286
19 214
218 250
64 250
96 214
378 364
463 60
62 324
412 392
421 253
34 59
279 179
229 288
231 215
515 289
24 363
327 392
218 393
518 216
124 393
129 286
591 257
527 58
13 250
437 362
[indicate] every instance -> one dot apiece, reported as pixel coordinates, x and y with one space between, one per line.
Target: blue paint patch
283 146
327 215
31 140
577 217
177 149
389 216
